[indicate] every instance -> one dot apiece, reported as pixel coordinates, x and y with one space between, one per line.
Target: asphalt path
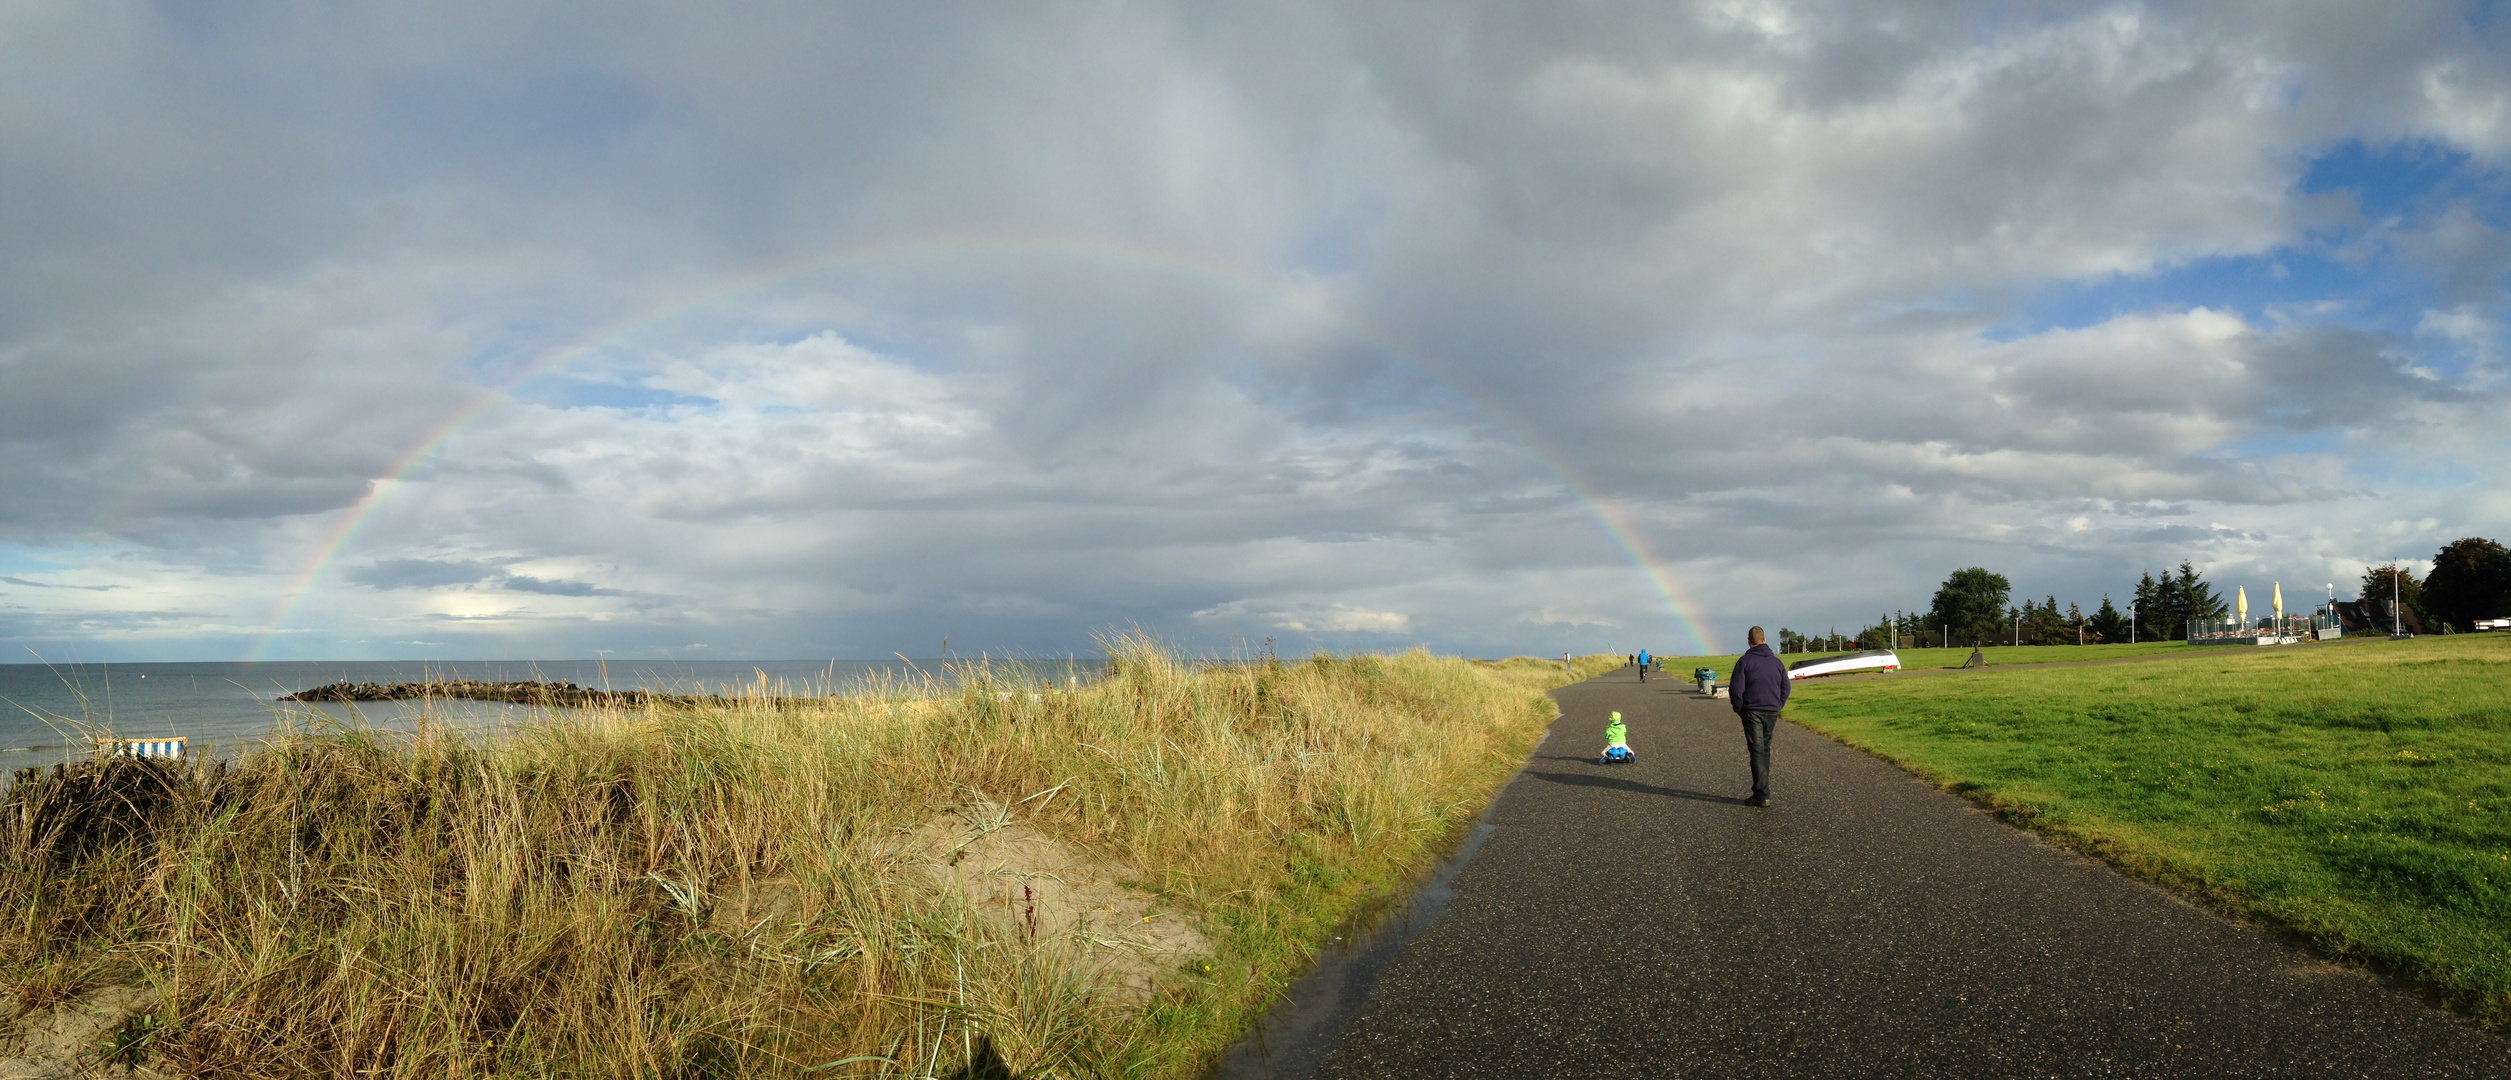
1640 920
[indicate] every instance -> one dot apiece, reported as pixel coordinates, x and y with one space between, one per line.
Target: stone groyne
562 694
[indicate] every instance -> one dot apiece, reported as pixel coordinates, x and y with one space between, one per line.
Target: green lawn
1996 655
2358 793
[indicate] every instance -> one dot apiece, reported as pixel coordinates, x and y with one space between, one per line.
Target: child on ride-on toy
1616 742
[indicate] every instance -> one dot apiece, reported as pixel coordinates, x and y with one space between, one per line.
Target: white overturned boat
1847 663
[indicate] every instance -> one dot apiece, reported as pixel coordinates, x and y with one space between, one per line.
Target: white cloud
1314 619
2469 109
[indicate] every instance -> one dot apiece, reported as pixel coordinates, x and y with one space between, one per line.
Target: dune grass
573 898
2356 793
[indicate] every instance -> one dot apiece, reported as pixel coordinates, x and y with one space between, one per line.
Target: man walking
1758 689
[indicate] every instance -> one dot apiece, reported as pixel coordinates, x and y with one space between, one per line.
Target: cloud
837 331
422 573
520 583
1555 617
1315 619
54 585
443 573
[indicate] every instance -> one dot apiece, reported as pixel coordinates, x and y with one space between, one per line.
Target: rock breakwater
561 694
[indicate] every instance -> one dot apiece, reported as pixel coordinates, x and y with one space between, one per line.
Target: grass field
1923 659
731 889
2358 793
2002 655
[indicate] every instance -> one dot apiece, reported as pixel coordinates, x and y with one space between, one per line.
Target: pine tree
2048 626
2179 601
2107 624
2147 615
2197 599
2168 619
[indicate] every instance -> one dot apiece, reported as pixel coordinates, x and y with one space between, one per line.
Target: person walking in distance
1758 689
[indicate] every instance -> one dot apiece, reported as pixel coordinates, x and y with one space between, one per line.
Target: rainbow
1607 513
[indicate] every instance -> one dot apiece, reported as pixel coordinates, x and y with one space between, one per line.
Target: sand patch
769 905
63 1042
1062 898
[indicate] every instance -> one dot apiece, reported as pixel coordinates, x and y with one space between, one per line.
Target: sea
51 713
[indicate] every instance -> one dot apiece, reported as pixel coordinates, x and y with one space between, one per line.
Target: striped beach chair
146 748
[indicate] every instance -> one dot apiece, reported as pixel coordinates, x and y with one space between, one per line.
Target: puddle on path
1292 1039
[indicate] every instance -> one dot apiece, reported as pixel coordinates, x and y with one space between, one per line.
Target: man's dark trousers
1759 729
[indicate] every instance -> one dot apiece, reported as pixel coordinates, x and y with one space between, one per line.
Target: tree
1880 635
2107 623
1972 603
1790 641
2171 622
2185 599
2148 616
2167 604
2378 587
2046 625
2471 580
1889 630
2196 600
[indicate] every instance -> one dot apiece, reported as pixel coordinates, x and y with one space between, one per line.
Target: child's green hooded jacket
1616 733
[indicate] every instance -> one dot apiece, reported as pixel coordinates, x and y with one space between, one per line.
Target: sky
832 330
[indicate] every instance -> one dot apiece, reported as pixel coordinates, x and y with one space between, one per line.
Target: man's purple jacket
1760 682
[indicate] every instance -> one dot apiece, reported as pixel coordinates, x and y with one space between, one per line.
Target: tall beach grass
726 889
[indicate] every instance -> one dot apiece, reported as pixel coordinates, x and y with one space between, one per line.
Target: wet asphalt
1639 920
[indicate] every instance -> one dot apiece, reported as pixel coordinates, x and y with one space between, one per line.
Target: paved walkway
1640 921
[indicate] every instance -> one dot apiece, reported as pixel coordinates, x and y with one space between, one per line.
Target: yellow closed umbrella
2279 605
2244 606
